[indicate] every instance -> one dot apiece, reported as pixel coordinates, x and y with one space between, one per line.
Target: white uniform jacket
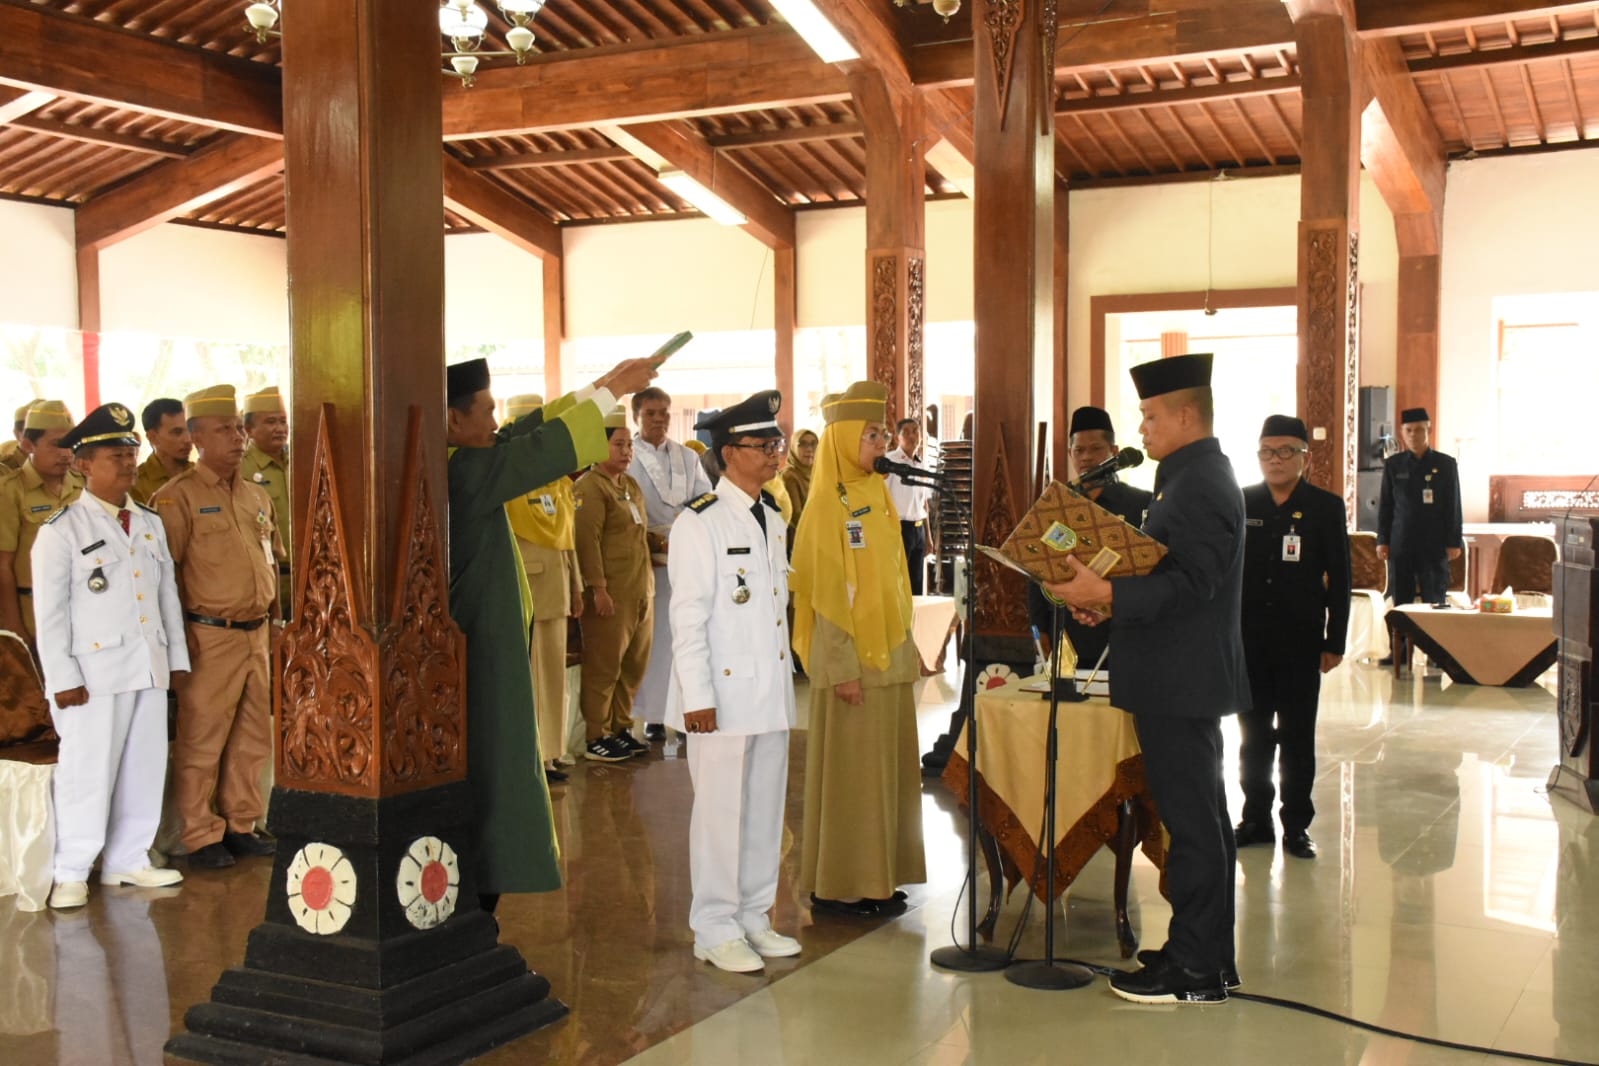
730 650
129 634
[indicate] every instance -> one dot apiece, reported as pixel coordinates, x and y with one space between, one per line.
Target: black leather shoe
211 857
1164 981
861 908
1249 833
553 776
1386 660
655 734
1229 971
247 844
1299 845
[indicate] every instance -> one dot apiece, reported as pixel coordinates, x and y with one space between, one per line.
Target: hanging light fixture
462 22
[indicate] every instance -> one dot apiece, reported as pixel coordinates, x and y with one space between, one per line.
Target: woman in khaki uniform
852 629
618 620
797 475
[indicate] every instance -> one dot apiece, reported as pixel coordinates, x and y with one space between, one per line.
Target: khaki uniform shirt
612 549
25 504
151 476
11 458
225 544
273 476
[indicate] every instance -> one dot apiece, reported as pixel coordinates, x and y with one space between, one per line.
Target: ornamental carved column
373 948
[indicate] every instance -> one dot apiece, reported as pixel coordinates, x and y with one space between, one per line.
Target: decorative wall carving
1001 592
915 336
885 328
325 704
1324 353
1351 380
1048 40
423 651
1002 18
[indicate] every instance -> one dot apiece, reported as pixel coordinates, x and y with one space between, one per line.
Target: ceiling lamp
462 22
947 8
808 21
712 205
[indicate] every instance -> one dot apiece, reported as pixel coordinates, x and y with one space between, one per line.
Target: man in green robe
516 849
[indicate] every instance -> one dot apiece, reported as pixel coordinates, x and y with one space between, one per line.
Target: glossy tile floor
1451 898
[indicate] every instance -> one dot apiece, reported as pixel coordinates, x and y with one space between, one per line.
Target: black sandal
863 908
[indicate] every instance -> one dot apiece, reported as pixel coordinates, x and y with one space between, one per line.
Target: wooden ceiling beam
177 188
17 104
73 131
556 158
710 74
71 56
1401 147
832 131
770 221
1392 17
1229 90
1493 57
487 204
869 26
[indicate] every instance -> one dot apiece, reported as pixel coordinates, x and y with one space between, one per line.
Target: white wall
493 291
185 281
38 266
1511 226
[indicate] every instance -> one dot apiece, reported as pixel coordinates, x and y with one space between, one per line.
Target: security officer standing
220 529
1418 517
1296 614
266 462
732 688
1180 626
167 430
111 635
45 484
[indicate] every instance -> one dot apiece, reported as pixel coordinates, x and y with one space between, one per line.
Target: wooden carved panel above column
327 704
885 315
423 651
1002 19
1048 40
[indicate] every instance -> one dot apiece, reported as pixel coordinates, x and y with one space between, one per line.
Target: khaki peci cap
217 400
524 404
22 412
616 418
864 401
266 402
48 414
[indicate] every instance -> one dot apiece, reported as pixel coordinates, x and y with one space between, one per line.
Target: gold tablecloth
930 622
1481 649
1100 767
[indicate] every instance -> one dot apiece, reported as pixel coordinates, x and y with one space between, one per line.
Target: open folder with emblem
1062 524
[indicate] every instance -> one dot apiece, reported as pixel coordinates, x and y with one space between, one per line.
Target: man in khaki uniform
220 530
544 522
45 484
11 454
167 430
266 462
618 623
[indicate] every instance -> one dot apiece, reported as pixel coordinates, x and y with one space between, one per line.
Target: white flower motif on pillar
321 889
428 882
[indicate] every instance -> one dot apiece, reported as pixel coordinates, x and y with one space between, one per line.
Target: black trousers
1412 574
1182 762
914 534
1286 683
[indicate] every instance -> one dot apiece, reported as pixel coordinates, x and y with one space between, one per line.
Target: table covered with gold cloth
1476 648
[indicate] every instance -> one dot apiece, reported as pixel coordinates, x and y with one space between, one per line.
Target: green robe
516 848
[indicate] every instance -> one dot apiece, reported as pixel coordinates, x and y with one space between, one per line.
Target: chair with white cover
28 747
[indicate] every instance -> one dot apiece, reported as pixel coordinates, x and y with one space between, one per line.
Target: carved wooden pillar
1014 43
373 948
1329 242
1417 357
896 257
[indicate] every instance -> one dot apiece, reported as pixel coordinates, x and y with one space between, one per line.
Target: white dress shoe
69 894
734 956
770 944
149 877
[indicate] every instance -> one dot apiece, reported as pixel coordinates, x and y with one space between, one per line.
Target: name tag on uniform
857 534
1426 495
738 551
41 507
96 545
1291 548
1254 522
210 510
863 511
633 507
547 502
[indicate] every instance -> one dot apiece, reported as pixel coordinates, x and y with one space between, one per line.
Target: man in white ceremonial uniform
911 501
733 688
110 632
670 475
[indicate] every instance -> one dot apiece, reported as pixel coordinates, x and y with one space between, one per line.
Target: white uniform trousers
108 781
649 706
735 836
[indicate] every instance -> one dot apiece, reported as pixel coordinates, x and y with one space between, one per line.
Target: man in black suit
1180 669
1296 613
1092 441
1418 517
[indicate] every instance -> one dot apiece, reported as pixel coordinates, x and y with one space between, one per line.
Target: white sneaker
770 944
68 894
734 956
149 877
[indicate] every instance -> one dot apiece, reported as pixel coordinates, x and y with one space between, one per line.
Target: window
1548 374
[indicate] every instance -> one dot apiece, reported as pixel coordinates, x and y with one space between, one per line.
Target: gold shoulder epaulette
703 502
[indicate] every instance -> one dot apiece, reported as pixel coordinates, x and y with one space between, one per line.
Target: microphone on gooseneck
885 465
1122 460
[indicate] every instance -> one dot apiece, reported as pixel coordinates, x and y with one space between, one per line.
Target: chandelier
462 22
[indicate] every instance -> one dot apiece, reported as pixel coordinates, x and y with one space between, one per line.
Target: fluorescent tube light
707 201
819 33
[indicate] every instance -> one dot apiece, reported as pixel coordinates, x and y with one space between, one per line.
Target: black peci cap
1284 426
464 379
1414 414
1091 418
1180 372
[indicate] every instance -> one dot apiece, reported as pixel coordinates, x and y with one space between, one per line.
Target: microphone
885 465
1122 460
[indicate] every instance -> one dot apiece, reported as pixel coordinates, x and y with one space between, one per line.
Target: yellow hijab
864 591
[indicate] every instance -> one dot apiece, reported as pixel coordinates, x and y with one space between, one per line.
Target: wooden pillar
554 324
1417 370
1060 443
89 323
1173 343
896 257
1014 43
1329 242
373 948
785 315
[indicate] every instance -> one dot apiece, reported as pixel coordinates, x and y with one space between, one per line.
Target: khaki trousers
224 734
616 652
549 685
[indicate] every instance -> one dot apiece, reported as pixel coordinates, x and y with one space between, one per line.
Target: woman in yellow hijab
852 629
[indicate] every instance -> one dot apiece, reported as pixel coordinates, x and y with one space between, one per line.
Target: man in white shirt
911 501
671 476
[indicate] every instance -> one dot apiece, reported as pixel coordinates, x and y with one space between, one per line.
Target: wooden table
1101 797
1511 650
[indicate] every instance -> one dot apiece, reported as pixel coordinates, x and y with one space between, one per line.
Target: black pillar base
379 991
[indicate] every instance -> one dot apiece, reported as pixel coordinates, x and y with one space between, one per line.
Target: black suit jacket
1302 604
1179 651
1406 522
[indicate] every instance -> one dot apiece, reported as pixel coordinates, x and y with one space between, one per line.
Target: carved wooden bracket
885 328
1001 593
1002 19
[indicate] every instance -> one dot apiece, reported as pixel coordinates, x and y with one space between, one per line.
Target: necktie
125 516
760 514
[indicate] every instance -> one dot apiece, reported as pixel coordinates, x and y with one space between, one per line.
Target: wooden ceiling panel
215 25
39 166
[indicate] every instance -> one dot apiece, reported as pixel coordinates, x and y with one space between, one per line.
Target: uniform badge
257 478
97 581
1299 514
742 593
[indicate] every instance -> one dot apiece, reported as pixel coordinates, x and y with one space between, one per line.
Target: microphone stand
972 957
